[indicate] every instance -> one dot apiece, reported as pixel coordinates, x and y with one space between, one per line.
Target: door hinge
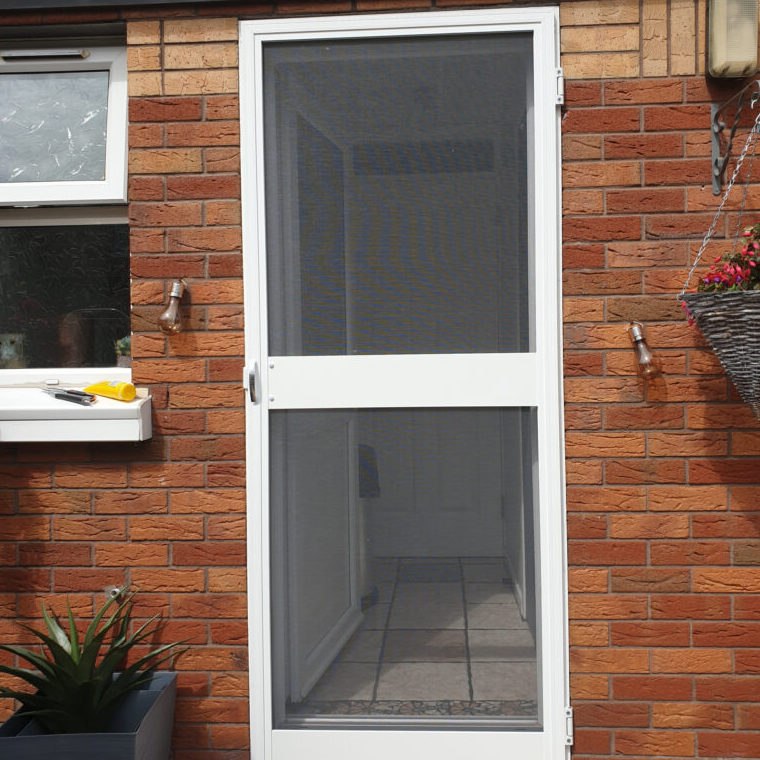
560 87
250 381
569 730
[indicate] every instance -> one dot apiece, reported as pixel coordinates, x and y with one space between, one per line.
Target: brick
144 84
202 344
654 38
677 117
605 444
143 32
687 444
745 498
165 528
649 580
34 554
686 498
725 525
645 199
200 30
147 57
577 229
205 56
607 607
619 660
649 634
723 471
207 448
748 716
589 634
226 579
91 476
726 689
171 266
690 715
735 744
168 579
146 189
145 135
165 474
600 65
577 147
224 421
727 580
641 308
585 120
599 12
203 186
603 283
588 687
607 553
165 109
165 214
705 416
209 554
595 741
606 498
89 528
582 202
611 714
202 396
581 525
199 239
130 554
676 226
633 417
645 471
652 687
165 161
588 579
689 553
226 474
207 501
203 134
600 38
687 607
731 634
129 502
610 174
682 53
201 82
687 171
653 743
649 526
222 159
589 363
52 502
642 146
222 107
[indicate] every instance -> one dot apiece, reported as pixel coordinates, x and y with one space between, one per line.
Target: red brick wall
663 501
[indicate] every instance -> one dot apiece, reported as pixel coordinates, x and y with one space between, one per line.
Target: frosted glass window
53 126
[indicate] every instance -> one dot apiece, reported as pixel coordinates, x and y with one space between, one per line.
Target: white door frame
530 379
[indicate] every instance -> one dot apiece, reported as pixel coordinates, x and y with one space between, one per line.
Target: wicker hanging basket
729 321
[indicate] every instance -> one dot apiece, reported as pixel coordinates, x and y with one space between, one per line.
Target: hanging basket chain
751 141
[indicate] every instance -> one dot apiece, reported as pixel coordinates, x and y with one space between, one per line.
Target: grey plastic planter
141 730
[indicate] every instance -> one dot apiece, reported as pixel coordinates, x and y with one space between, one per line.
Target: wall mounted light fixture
646 365
170 321
732 47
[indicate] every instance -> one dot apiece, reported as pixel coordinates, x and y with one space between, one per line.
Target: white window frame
42 59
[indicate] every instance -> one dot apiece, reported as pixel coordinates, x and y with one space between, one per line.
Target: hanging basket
729 321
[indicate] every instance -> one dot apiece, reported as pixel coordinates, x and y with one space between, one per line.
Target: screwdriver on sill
76 397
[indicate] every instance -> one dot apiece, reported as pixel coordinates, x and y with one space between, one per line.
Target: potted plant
726 308
89 703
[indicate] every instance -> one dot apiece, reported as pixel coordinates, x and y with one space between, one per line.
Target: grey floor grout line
468 660
381 653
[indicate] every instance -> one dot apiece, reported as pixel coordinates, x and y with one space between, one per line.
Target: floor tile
345 681
375 617
489 593
420 571
424 646
427 615
489 572
423 681
494 616
363 646
498 645
504 680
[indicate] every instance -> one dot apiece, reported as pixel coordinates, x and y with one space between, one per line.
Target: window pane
64 295
397 179
403 566
53 126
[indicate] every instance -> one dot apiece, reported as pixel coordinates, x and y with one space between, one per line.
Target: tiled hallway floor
444 637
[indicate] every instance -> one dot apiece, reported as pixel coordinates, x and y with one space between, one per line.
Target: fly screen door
405 479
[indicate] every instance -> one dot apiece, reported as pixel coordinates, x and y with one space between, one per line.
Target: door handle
252 388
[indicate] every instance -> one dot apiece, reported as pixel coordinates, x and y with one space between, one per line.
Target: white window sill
28 414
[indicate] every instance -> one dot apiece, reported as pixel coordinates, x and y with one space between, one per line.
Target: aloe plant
81 682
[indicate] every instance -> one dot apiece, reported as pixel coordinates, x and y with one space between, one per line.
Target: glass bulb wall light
646 365
170 321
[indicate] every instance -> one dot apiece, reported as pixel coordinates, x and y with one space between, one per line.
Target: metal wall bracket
747 96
